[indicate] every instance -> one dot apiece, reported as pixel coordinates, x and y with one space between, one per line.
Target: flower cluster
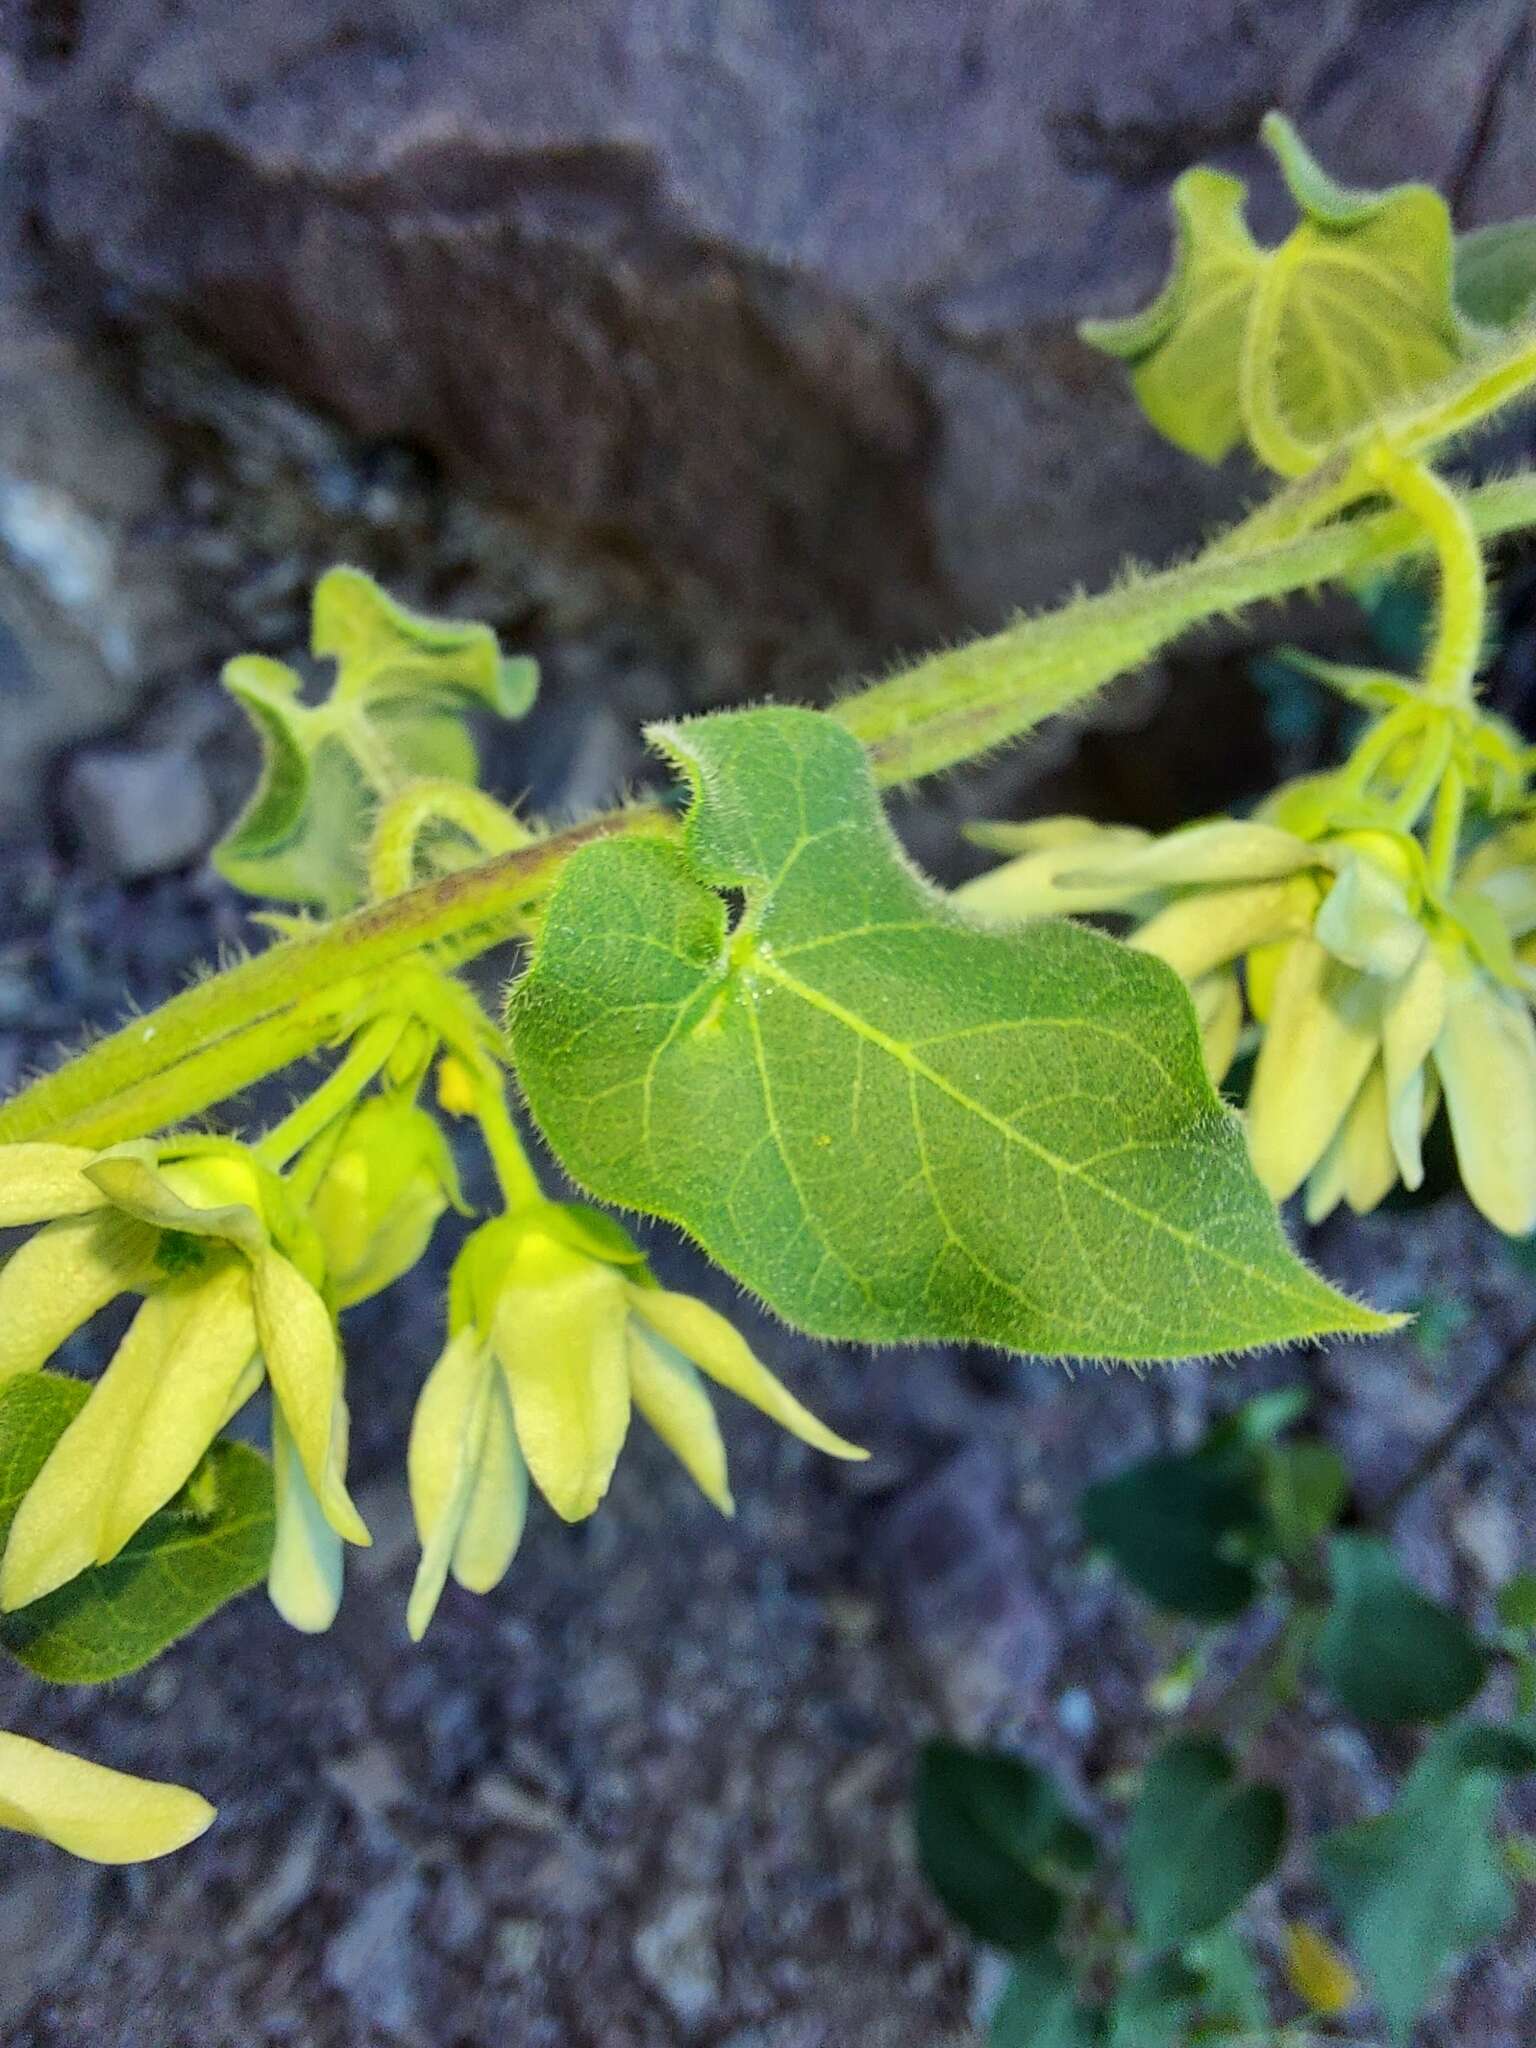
229 1272
557 1331
1372 992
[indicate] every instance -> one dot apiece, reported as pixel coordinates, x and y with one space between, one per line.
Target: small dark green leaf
1517 1601
1176 1527
1387 1653
989 1828
1039 2007
1424 1882
1156 2006
1496 273
1305 1487
208 1545
1198 1842
1232 2000
1259 1420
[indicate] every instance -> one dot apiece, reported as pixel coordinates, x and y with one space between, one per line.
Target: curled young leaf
394 715
1366 315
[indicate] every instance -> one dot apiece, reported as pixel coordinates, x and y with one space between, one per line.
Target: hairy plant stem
288 1001
252 1019
956 705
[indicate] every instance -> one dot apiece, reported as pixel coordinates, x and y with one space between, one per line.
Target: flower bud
379 1199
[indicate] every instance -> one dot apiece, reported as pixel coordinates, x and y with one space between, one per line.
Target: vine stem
366 1057
1450 667
964 702
226 1032
270 1010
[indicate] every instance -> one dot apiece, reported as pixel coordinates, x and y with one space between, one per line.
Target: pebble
369 1960
139 811
675 1952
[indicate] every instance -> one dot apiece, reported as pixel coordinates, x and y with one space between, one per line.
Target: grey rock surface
768 305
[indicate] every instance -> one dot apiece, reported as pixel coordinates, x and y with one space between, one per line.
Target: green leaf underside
985 1822
1368 315
1496 273
1424 1882
1387 1653
180 1568
888 1121
1198 1842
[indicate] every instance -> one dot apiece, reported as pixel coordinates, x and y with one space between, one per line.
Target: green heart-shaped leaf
890 1121
987 1826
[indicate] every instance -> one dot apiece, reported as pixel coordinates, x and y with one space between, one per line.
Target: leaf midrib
769 969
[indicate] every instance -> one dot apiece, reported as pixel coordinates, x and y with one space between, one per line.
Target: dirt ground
654 1790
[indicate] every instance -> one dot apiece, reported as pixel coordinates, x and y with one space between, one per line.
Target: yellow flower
557 1331
103 1815
1371 994
1319 1974
206 1237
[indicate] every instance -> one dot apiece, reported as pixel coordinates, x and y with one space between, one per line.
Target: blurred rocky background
708 348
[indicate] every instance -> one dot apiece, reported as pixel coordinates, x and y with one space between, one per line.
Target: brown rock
770 304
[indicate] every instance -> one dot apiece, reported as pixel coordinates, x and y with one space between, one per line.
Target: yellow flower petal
560 1337
211 1196
298 1341
1359 1166
672 1398
103 1815
1320 1976
455 1086
1261 970
1409 1027
379 1199
209 1340
1486 1057
1041 835
1208 929
1323 1032
1031 885
305 1575
498 1501
40 1182
58 1524
1218 1001
147 1422
1365 921
447 1437
719 1349
55 1282
1225 850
